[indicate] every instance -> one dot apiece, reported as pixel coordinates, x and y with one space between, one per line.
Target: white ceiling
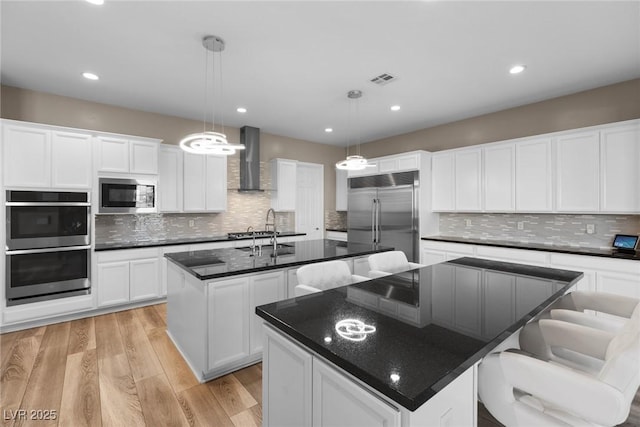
292 63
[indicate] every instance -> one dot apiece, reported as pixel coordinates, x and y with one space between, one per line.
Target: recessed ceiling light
241 110
328 130
395 108
90 76
98 2
517 69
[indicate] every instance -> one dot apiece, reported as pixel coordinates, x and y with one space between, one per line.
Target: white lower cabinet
263 289
128 275
338 401
302 389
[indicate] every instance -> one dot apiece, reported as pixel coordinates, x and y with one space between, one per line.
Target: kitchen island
212 295
397 350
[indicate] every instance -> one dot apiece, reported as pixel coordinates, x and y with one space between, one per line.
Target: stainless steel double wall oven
48 252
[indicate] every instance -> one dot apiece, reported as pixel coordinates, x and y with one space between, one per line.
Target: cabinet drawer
127 255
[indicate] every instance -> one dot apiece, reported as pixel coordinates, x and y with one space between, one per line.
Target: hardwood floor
121 369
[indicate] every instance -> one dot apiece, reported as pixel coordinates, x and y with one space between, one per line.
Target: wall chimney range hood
250 160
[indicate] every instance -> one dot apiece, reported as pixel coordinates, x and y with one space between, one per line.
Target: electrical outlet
520 225
591 228
192 223
467 222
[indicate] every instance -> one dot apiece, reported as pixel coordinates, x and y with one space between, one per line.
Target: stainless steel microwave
127 196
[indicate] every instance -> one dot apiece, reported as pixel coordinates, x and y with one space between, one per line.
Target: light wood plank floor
121 369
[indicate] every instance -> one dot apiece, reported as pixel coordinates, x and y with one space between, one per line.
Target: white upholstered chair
392 262
595 389
324 275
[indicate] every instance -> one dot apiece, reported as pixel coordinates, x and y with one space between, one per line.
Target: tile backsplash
553 229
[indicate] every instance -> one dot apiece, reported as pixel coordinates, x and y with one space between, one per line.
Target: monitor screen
622 241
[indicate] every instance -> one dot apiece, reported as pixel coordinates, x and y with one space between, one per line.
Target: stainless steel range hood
250 159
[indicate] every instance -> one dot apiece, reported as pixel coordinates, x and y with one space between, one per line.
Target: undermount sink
281 249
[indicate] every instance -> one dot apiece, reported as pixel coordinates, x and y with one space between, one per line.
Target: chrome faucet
253 243
272 224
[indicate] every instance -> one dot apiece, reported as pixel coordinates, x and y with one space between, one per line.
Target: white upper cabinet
468 179
170 178
499 176
619 167
39 157
284 183
341 190
577 172
534 176
205 183
124 155
443 182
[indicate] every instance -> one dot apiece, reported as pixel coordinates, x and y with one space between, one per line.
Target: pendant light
210 142
354 162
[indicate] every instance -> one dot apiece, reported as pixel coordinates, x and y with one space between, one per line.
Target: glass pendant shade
209 143
352 163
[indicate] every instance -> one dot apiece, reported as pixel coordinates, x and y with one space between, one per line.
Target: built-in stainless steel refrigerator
383 209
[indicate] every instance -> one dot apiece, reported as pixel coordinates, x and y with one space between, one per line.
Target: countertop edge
534 247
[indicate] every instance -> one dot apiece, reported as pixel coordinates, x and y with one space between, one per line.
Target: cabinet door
341 190
338 401
284 181
286 387
429 257
533 176
194 182
443 182
113 154
144 279
113 283
618 283
216 191
228 305
263 289
620 174
27 157
71 161
164 265
467 180
578 172
372 169
143 157
499 178
170 179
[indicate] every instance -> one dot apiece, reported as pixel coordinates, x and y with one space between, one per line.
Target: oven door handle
47 250
46 204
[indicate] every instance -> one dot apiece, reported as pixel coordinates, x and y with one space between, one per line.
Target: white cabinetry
534 176
371 169
126 155
499 177
127 275
337 400
443 182
205 183
170 179
399 163
468 188
284 183
341 190
577 172
263 289
337 235
620 174
45 157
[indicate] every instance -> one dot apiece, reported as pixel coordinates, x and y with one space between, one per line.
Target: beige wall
40 107
607 104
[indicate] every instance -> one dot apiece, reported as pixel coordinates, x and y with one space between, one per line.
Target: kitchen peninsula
212 295
400 350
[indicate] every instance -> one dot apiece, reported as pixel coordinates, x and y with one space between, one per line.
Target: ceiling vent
383 79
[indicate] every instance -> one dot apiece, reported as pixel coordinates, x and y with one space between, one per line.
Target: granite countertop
215 263
454 326
564 249
182 241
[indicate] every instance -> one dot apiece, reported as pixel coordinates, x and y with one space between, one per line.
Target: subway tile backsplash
551 229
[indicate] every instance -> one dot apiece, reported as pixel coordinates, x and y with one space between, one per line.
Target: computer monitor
625 242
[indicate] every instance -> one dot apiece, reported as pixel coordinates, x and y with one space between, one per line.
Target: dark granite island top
448 317
217 263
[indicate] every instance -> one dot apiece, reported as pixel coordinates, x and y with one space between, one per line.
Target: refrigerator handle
373 220
378 213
